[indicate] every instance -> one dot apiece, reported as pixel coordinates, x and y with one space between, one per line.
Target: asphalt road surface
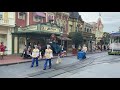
98 65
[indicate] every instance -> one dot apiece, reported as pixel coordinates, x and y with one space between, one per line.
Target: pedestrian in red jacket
2 50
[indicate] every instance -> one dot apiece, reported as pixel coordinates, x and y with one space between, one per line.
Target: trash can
81 55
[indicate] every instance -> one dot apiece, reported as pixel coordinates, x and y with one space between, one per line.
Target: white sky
110 20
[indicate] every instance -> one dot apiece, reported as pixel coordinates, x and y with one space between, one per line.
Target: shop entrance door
36 41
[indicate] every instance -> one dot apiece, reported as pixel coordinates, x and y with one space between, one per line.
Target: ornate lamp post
61 34
91 43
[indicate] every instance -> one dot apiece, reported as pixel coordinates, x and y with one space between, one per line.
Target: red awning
41 14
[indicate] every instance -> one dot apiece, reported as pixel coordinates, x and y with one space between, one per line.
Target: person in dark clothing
104 47
25 53
43 51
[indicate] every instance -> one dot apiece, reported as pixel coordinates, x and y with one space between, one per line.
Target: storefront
5 37
89 40
33 34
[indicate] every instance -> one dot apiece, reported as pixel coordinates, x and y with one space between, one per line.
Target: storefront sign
50 29
31 27
28 28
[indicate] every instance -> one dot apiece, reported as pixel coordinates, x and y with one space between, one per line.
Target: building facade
75 25
87 27
75 22
7 23
61 19
88 35
98 29
36 28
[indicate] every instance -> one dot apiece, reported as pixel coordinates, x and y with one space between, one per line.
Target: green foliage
114 53
76 37
106 37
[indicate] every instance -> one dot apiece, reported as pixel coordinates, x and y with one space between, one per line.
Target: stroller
26 54
81 55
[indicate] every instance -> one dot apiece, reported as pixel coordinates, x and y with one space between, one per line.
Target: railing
8 22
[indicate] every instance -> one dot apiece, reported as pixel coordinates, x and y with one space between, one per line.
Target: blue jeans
33 60
45 65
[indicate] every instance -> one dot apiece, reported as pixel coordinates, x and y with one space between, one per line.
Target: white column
27 18
9 42
15 44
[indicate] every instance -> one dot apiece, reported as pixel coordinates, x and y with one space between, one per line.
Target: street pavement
96 65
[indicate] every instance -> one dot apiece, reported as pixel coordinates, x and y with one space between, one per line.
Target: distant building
87 27
98 29
75 22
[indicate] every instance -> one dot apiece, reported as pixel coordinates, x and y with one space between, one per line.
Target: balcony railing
8 22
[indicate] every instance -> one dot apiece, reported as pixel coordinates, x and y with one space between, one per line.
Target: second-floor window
70 28
90 30
21 15
37 19
85 30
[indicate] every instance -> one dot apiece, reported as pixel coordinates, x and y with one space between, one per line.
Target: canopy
117 34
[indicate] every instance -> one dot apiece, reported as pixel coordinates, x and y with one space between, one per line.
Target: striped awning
115 34
41 14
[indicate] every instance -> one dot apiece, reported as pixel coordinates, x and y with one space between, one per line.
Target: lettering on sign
51 29
32 27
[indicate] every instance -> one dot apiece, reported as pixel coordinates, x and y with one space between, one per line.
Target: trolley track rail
66 68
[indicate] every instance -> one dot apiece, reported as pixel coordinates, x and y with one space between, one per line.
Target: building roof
74 15
117 34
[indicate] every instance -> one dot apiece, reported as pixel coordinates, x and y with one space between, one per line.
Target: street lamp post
61 34
91 43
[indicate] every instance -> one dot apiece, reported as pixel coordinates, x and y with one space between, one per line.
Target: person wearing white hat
48 56
35 56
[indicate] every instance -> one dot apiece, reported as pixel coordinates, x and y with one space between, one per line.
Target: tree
77 38
106 37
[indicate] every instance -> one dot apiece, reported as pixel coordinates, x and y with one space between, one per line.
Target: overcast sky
110 20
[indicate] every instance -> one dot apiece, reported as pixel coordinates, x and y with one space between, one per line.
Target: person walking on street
35 56
84 49
48 57
104 48
2 50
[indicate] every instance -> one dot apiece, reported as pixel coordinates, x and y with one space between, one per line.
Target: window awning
41 14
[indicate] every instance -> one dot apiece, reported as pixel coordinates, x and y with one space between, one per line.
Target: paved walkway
14 59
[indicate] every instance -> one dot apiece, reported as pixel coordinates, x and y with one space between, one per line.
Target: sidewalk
15 59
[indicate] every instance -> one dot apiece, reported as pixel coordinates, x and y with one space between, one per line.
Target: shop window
22 41
21 15
87 30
